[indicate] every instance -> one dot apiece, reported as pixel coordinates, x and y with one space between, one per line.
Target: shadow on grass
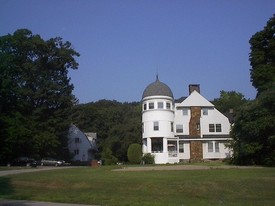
6 188
6 192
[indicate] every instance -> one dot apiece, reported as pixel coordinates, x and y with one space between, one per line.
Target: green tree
118 125
229 100
134 153
107 157
254 129
262 58
35 94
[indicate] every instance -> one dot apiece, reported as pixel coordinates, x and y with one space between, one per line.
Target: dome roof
157 88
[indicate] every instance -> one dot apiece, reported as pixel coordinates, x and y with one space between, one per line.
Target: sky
124 44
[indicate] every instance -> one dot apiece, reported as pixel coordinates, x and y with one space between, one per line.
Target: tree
262 58
117 125
229 100
254 129
35 94
134 153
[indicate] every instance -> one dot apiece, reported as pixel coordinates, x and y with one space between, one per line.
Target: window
172 127
218 128
205 111
160 105
215 128
198 126
211 128
76 152
156 126
157 144
217 147
179 128
145 106
142 127
172 148
151 105
168 105
185 111
77 140
210 146
181 147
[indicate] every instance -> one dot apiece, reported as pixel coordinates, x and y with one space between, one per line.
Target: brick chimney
193 87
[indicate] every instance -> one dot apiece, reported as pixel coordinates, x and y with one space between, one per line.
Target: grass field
102 186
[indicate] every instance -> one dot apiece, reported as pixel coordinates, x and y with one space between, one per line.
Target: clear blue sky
123 43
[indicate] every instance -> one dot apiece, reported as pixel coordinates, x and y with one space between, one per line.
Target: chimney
193 87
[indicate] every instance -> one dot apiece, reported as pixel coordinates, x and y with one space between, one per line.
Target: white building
81 145
190 129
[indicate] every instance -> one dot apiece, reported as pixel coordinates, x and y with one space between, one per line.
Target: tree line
37 105
118 125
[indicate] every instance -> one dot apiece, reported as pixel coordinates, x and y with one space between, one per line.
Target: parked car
23 161
52 162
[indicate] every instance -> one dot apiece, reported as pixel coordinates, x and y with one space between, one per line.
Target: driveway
32 203
37 169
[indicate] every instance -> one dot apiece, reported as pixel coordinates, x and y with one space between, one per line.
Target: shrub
134 153
148 158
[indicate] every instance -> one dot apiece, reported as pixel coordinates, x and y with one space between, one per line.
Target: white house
190 129
81 145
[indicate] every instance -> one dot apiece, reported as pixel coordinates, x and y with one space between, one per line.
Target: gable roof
195 99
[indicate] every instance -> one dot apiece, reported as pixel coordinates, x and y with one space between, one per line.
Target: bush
148 158
134 153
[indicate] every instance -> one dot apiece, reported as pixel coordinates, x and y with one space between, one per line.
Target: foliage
102 186
229 100
148 158
134 153
107 157
35 94
262 57
254 129
254 132
117 125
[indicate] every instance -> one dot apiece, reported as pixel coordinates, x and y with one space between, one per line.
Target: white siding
82 146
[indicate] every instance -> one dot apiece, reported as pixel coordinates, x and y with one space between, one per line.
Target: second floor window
156 126
218 128
215 128
179 128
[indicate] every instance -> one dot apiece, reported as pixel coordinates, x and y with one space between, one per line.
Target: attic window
205 111
185 111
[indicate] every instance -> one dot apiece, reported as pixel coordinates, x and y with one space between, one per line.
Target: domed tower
158 121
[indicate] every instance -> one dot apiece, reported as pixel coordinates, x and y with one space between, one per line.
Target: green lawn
102 186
